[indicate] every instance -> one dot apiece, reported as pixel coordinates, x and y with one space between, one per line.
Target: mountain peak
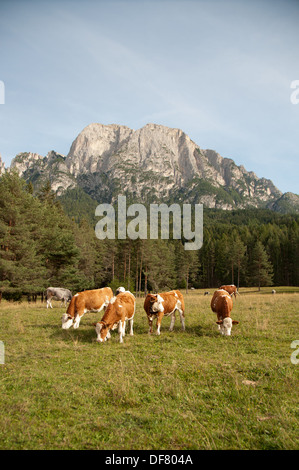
152 164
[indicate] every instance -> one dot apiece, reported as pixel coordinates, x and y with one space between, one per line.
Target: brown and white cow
231 289
222 305
121 308
165 303
86 301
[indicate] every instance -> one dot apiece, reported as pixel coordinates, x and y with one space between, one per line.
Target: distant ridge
152 164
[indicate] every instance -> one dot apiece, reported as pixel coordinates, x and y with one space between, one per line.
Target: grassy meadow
196 389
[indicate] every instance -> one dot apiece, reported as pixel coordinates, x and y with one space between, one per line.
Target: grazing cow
166 303
273 291
86 301
222 305
207 293
58 293
120 309
231 289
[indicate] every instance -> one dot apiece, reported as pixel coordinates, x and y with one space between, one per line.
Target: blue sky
219 70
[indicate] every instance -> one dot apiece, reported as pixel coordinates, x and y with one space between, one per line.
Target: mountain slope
152 164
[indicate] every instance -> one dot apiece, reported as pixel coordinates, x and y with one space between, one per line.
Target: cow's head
102 331
119 290
156 303
67 321
225 325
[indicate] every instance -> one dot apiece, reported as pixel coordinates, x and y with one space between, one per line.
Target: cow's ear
235 322
219 322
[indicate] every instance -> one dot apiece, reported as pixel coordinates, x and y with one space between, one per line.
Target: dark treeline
41 246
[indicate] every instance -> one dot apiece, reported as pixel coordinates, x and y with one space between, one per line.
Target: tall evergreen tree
261 268
21 263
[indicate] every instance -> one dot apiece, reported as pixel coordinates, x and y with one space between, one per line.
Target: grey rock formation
151 164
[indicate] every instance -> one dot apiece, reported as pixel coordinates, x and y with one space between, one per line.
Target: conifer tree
261 268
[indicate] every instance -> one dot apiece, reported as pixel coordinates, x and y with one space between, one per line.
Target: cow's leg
121 329
150 322
49 303
159 320
77 320
131 321
182 318
172 321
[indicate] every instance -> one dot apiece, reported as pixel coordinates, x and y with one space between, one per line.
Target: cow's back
231 289
120 307
89 300
59 292
221 303
94 299
126 300
170 300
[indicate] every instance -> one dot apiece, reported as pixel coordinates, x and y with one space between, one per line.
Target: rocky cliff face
154 163
37 169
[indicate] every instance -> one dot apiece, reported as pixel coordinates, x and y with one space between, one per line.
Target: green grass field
196 389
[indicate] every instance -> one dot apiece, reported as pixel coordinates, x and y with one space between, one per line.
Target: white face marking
226 326
99 327
113 300
98 331
66 321
158 306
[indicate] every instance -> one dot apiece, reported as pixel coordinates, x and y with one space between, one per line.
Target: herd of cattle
120 308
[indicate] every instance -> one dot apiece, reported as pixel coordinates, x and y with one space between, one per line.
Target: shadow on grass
199 330
86 332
